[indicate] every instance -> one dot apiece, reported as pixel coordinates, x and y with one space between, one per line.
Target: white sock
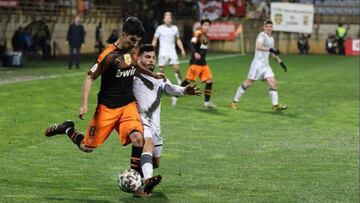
273 96
178 78
239 92
147 165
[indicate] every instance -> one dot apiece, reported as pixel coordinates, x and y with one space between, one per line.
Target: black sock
135 159
184 83
207 91
75 137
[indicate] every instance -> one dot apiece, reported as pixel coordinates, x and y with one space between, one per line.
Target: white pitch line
35 78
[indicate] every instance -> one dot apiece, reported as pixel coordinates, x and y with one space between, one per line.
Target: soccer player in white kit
260 68
168 35
148 92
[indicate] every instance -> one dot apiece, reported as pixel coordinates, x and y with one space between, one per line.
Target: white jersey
167 36
268 42
148 92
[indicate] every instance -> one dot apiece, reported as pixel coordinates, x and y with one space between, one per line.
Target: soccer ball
129 180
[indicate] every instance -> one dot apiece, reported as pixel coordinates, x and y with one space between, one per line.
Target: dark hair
146 48
268 22
206 20
132 26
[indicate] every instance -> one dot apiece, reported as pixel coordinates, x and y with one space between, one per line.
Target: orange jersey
117 68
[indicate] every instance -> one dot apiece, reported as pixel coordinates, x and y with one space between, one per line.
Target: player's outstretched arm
85 96
173 90
176 90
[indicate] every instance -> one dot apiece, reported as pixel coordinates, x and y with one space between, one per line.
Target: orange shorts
124 120
203 72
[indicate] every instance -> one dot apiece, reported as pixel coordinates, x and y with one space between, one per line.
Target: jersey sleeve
196 36
98 68
260 39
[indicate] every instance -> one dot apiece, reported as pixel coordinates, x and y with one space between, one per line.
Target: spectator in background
303 43
2 49
202 6
99 38
340 36
330 44
17 40
26 40
237 8
42 39
113 36
213 10
75 37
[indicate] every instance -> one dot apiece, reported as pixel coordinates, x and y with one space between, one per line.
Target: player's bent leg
57 129
68 128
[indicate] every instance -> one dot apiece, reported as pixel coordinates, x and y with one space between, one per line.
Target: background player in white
260 68
148 92
168 35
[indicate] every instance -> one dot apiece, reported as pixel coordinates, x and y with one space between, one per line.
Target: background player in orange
198 66
116 107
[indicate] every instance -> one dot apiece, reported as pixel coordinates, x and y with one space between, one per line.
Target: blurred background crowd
40 28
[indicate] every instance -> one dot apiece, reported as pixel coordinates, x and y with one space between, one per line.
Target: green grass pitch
307 154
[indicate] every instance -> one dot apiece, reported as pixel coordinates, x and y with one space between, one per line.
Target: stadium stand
58 14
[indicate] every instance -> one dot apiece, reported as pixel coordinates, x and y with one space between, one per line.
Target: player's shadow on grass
51 199
285 114
213 111
155 197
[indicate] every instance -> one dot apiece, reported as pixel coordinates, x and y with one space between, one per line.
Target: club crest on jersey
127 59
125 73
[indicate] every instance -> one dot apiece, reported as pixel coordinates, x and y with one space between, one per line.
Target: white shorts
260 71
165 60
149 132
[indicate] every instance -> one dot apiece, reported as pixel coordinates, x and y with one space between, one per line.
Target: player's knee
247 83
86 149
149 145
272 83
136 139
